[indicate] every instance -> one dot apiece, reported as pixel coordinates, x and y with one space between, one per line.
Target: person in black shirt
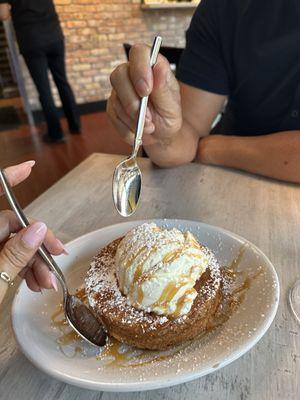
244 54
41 43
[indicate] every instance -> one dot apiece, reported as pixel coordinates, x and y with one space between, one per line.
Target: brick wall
95 30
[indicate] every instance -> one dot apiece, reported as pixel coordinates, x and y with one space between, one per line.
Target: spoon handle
43 252
144 101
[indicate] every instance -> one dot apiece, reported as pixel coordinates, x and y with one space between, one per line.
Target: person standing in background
41 43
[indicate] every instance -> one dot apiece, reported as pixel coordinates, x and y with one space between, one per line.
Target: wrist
211 149
208 149
173 150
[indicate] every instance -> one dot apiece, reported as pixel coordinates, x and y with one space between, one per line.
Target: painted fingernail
34 235
31 163
53 281
142 87
65 251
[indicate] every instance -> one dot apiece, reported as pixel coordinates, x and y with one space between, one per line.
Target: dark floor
54 161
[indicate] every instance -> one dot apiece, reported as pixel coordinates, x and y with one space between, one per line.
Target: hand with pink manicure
18 246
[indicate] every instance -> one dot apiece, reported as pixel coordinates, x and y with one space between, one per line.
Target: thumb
20 249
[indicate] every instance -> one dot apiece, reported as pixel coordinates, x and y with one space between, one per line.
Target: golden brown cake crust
139 328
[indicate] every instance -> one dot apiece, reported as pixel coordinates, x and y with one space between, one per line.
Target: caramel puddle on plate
234 288
68 336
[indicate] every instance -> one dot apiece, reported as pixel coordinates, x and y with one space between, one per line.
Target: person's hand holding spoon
127 180
79 316
18 246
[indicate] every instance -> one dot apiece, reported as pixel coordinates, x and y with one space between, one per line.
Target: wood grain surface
265 212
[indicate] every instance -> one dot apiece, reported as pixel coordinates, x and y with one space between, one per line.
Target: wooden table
263 211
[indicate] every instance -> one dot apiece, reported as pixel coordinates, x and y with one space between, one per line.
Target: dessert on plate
154 287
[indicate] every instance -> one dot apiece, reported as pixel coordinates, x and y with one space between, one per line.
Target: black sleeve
202 65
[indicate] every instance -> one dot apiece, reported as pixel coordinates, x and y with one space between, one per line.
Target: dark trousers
39 61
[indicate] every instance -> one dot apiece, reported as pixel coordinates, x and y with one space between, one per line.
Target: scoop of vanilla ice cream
158 268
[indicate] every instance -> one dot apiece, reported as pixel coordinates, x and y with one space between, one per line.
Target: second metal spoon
127 179
79 316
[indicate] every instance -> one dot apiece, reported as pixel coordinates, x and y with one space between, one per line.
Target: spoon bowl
127 183
83 321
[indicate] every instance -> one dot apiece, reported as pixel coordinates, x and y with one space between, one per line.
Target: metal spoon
127 179
79 316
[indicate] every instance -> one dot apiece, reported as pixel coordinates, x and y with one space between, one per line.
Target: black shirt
248 50
36 23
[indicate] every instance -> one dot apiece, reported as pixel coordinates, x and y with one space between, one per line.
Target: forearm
276 155
180 149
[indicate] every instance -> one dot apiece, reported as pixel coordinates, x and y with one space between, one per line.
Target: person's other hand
18 252
135 79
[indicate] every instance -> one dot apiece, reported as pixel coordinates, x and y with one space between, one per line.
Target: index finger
9 224
18 173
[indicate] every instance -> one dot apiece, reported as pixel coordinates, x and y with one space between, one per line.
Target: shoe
49 139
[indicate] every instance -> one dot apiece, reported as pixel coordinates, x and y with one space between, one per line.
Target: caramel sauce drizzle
112 350
139 269
68 338
133 258
138 273
59 321
173 255
140 294
168 294
237 260
181 302
127 265
143 277
133 357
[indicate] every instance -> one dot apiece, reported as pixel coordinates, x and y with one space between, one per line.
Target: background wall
95 31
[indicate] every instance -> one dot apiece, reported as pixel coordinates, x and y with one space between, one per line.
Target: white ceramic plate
31 315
